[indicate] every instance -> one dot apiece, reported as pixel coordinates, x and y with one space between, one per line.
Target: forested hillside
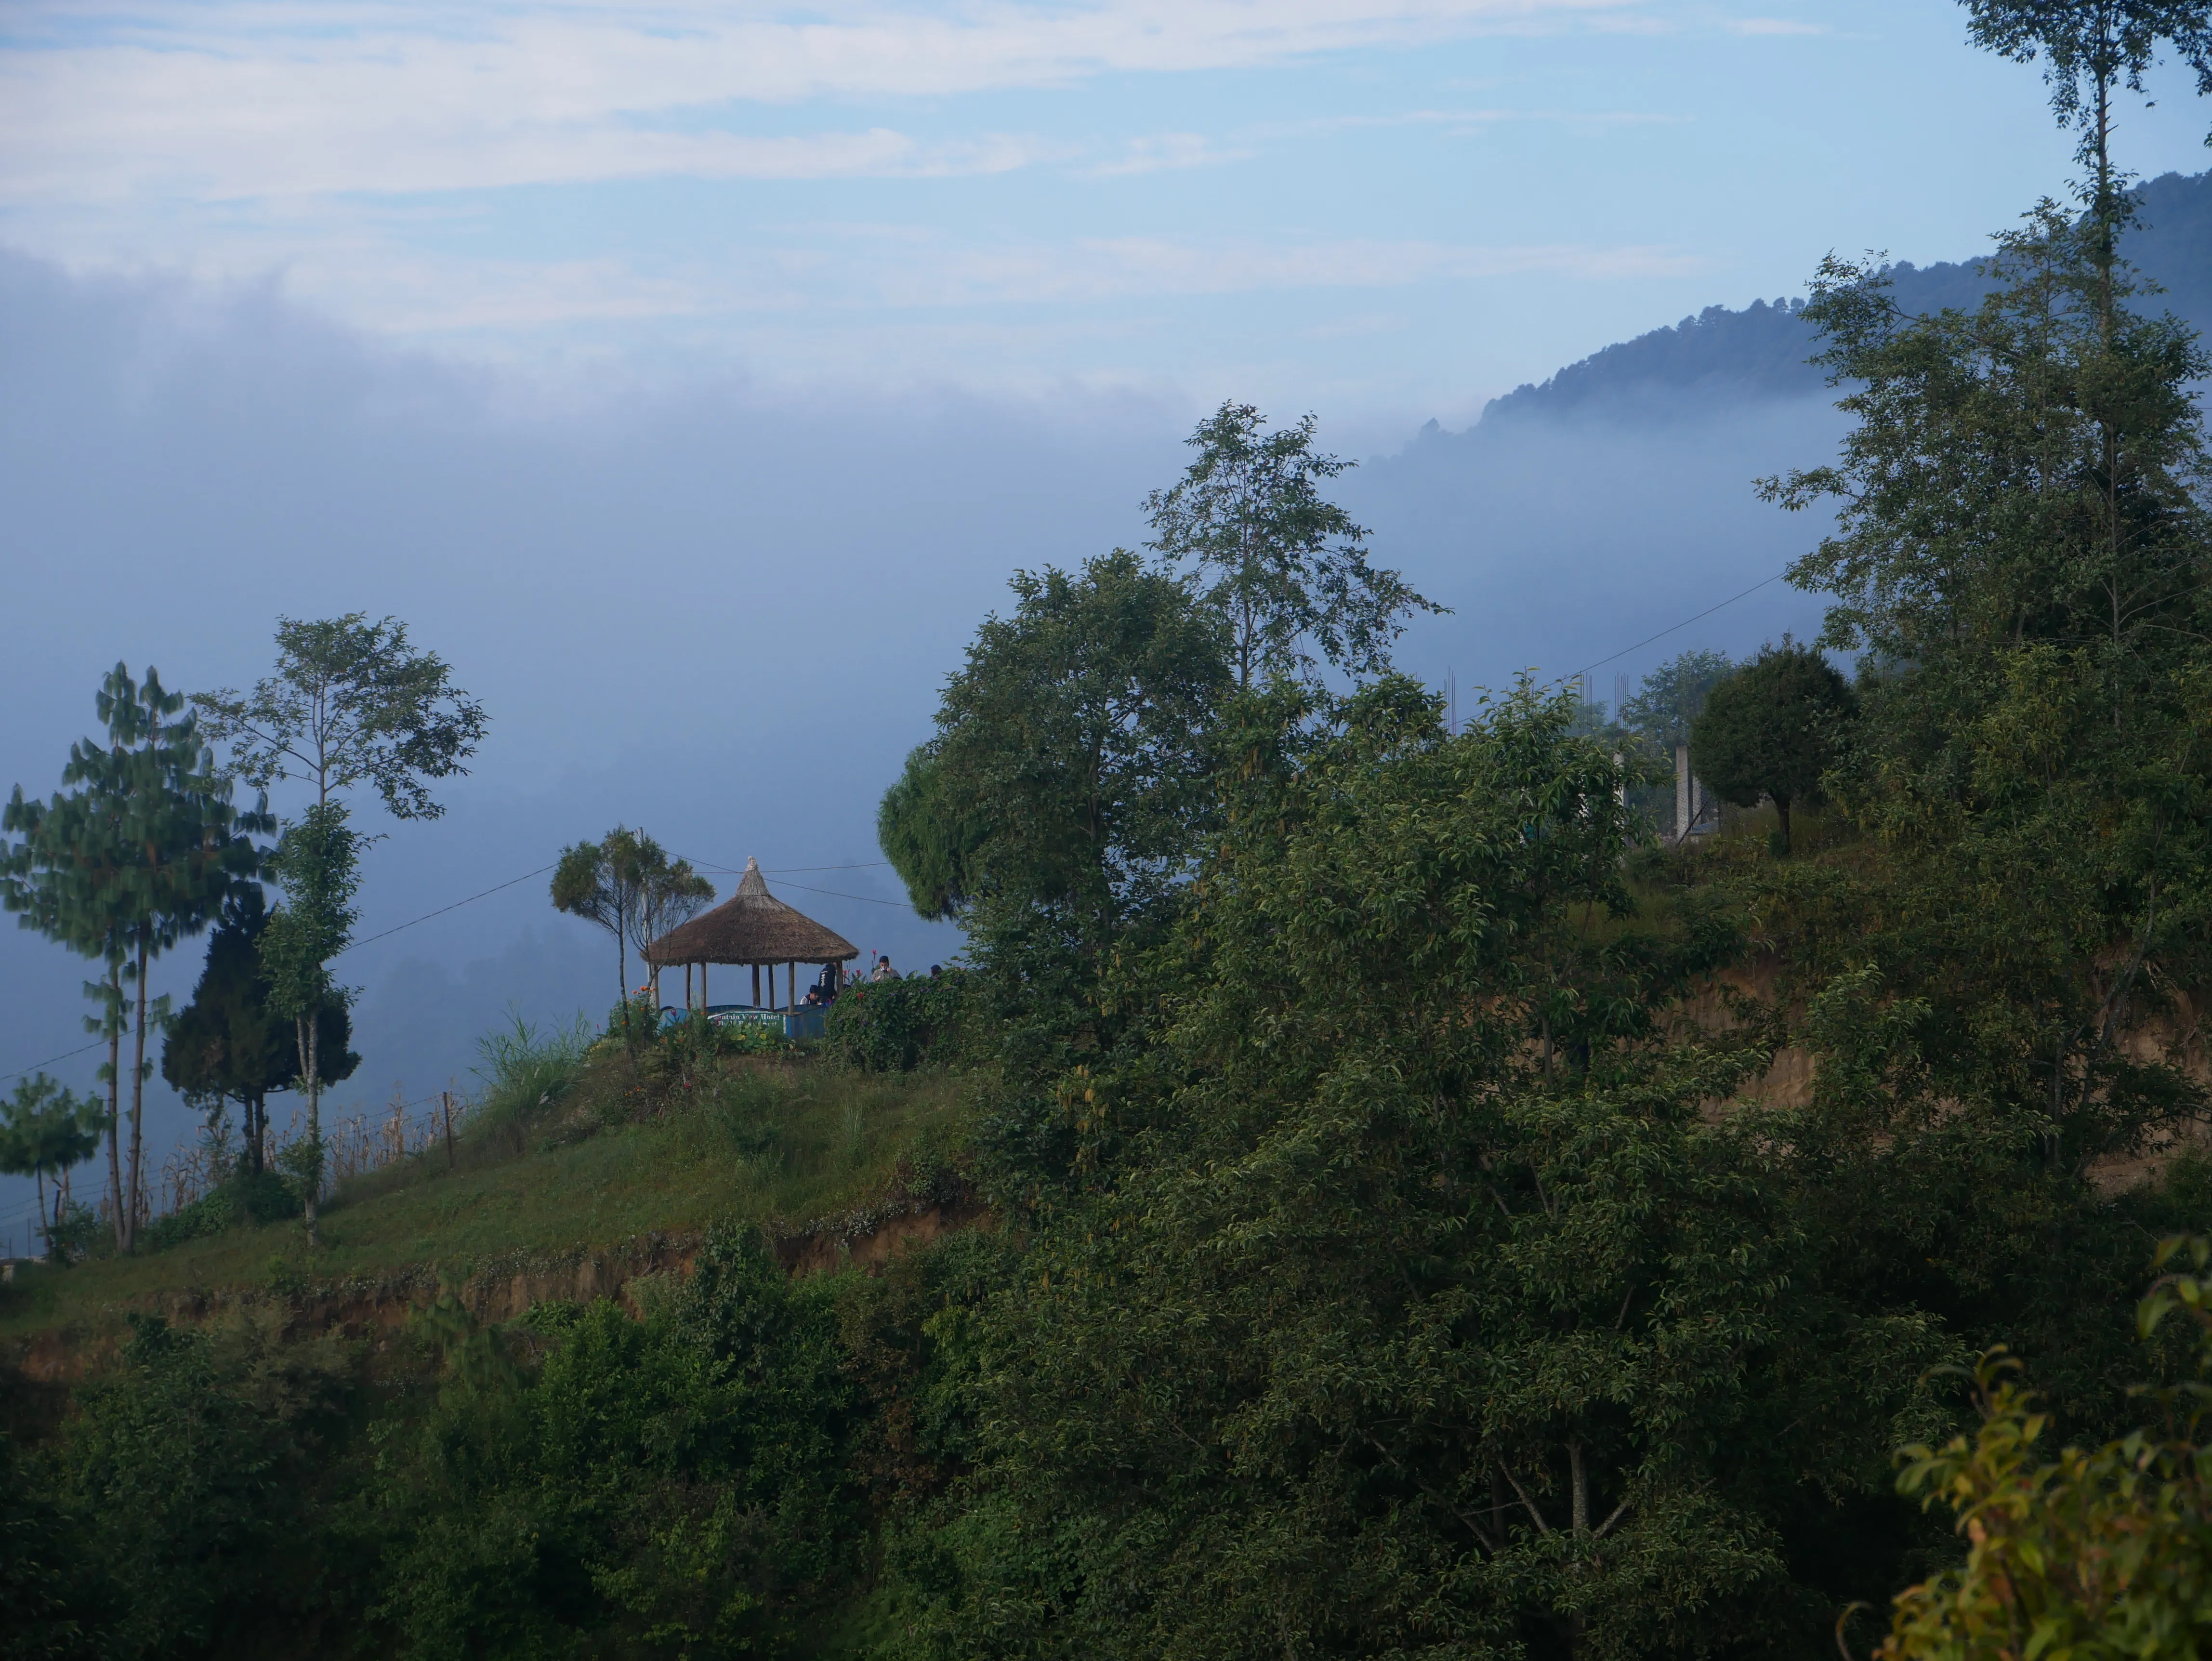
1765 350
1384 1183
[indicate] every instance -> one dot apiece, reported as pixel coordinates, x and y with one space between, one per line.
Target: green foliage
230 1041
1078 735
350 703
928 842
1771 729
2101 1552
1402 1298
316 862
251 1198
2020 549
76 1232
51 1613
1282 566
894 1025
189 1474
524 1071
1673 695
627 884
140 855
46 1130
672 1487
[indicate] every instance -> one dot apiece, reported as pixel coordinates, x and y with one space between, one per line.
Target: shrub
894 1026
256 1198
81 1234
526 1071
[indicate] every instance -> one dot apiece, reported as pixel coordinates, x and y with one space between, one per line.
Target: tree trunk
46 1228
1782 810
115 1103
309 1038
138 1103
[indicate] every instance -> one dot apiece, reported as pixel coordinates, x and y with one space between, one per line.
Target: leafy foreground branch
2102 1552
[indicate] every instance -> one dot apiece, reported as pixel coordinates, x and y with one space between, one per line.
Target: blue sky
1383 209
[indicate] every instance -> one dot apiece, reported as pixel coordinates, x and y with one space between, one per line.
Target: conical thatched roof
751 925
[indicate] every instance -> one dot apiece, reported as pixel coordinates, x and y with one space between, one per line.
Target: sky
1383 208
692 377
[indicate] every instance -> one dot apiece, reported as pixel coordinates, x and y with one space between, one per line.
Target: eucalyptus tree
350 704
627 883
1285 565
140 855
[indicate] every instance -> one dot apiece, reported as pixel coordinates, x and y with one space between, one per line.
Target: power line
442 910
781 870
864 899
1684 624
51 1060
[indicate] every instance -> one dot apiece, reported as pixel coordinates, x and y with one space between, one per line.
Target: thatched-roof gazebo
752 927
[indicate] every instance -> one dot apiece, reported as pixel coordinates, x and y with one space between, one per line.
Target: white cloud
1162 152
844 272
1771 26
216 102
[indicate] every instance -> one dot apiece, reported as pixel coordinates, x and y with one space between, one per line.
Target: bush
894 1026
81 1234
262 1197
526 1071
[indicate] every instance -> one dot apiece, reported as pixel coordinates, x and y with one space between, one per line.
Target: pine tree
137 857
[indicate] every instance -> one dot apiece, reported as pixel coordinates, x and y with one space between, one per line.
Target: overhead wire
442 910
1672 627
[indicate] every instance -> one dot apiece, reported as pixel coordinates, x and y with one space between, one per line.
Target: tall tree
65 879
44 1128
317 865
139 856
670 893
929 843
230 1042
1071 765
2091 50
1285 565
1772 728
627 883
350 703
1673 695
1411 1291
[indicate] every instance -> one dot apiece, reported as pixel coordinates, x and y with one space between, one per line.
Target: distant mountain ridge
1760 352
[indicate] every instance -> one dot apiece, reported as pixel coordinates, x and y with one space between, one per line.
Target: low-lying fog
718 610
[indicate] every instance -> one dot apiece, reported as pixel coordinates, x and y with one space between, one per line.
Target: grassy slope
763 1140
788 1142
